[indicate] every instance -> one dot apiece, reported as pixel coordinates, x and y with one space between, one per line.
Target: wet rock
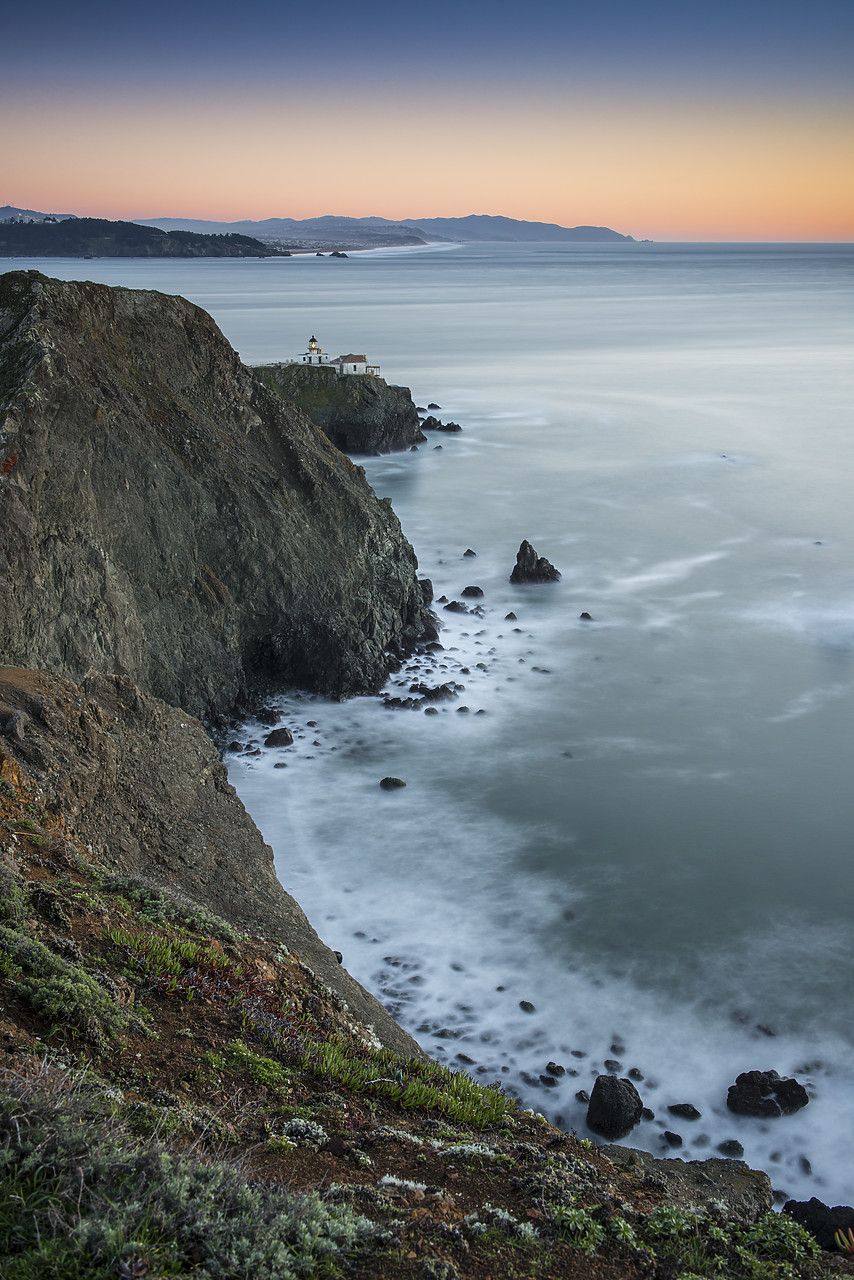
468 552
532 568
766 1094
279 738
555 1069
732 1148
548 1081
433 405
585 616
392 784
615 1107
613 1066
635 1074
527 1007
821 1221
426 590
583 1095
430 424
449 426
510 617
647 1114
441 692
685 1110
672 1139
472 593
456 606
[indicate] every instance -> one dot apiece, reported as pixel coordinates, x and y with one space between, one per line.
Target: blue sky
664 119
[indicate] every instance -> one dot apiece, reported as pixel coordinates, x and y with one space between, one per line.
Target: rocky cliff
359 413
141 784
165 517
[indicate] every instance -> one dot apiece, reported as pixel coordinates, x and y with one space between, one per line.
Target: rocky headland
166 517
361 414
185 1062
102 238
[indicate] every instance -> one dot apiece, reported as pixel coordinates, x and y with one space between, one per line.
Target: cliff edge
359 413
164 516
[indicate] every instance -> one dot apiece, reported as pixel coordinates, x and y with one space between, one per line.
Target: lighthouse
314 355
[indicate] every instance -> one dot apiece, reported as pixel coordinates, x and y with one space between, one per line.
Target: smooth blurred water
647 835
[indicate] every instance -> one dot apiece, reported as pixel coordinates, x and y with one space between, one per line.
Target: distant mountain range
25 232
337 231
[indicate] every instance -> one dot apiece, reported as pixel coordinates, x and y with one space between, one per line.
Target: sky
665 120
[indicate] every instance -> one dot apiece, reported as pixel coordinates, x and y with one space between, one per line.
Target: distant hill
10 211
336 231
330 232
482 226
98 238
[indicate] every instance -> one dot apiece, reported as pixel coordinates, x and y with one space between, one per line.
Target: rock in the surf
530 567
765 1093
615 1107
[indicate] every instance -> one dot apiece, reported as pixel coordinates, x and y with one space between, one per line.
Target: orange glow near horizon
688 170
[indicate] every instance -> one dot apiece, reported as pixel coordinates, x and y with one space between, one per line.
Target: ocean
629 838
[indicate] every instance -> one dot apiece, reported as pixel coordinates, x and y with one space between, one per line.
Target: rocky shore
185 1062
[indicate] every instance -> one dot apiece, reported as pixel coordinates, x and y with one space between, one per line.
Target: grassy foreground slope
178 1098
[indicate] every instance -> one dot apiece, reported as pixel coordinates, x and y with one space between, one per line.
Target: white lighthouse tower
314 355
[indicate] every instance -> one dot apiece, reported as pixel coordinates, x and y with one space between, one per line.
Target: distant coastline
26 233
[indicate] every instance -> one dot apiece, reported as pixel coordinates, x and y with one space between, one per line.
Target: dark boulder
449 426
764 1093
821 1221
279 738
685 1110
456 606
392 784
732 1149
532 568
433 405
468 552
472 593
615 1107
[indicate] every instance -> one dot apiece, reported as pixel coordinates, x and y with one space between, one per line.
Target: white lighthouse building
348 364
314 355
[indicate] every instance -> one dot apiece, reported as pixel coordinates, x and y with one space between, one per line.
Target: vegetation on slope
180 1099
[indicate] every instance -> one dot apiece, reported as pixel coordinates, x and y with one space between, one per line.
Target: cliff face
164 516
359 413
141 783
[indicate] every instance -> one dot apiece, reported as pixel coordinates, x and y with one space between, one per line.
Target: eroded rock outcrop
164 516
530 567
359 413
